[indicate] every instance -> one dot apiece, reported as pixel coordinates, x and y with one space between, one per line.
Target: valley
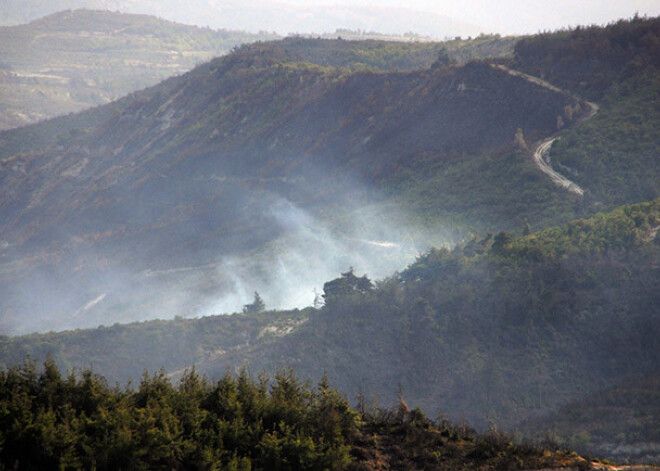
467 227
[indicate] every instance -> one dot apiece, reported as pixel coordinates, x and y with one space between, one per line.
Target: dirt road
560 180
543 147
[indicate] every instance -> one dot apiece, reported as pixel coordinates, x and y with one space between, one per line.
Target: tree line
77 421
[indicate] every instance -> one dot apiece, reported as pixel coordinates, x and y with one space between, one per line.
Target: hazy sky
437 18
516 16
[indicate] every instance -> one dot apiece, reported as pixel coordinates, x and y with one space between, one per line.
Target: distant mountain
73 60
256 16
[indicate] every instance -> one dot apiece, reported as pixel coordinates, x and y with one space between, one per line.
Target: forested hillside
497 330
237 422
224 160
614 155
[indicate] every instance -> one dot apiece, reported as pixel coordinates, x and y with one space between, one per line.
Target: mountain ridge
332 126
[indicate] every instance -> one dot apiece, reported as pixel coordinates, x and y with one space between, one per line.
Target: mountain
241 151
258 16
287 164
73 60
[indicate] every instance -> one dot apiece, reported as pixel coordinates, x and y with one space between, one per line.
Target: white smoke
289 270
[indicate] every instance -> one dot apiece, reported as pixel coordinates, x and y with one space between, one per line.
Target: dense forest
48 421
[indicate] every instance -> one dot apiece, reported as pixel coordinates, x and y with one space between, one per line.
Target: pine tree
257 305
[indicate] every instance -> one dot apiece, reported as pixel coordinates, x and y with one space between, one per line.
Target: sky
517 16
436 18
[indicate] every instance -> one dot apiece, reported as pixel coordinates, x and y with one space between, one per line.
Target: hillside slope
73 60
237 153
615 155
499 330
619 423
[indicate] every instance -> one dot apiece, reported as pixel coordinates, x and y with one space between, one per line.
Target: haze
438 19
521 17
303 251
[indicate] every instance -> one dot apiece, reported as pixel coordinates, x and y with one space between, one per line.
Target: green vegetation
358 55
589 60
257 305
482 47
70 61
77 422
500 329
380 55
347 285
446 190
177 343
615 154
257 122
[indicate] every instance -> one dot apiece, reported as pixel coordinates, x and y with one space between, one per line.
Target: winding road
543 147
539 160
